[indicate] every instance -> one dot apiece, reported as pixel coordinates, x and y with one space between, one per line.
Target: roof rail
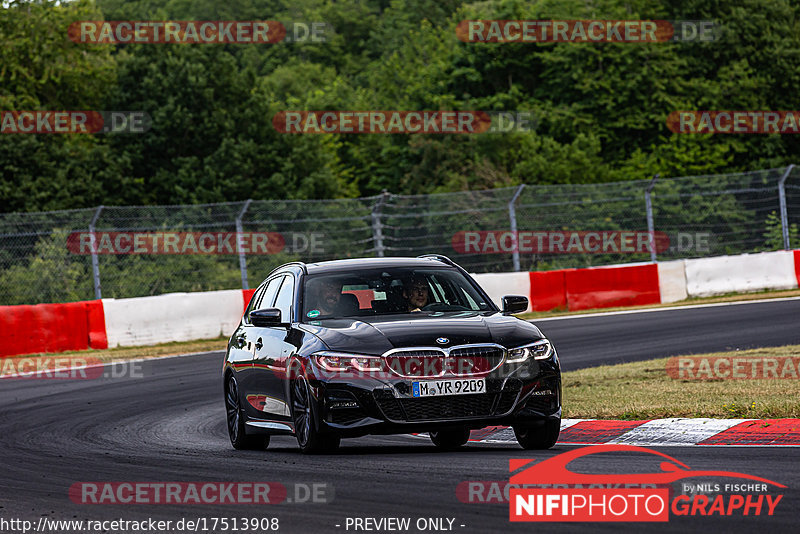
298 263
440 257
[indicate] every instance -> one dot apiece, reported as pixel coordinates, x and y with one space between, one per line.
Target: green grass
643 390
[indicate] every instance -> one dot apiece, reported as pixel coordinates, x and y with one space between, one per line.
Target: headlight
541 350
342 362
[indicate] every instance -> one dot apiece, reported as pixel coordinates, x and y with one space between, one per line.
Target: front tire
451 439
538 437
235 418
310 440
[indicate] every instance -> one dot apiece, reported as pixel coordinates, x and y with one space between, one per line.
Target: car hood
376 335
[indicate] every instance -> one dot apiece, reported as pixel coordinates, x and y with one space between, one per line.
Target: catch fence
47 256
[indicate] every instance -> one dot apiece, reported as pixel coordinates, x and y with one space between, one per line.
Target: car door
272 352
246 340
240 355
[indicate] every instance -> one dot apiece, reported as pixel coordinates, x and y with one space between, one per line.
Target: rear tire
538 437
304 413
451 439
235 418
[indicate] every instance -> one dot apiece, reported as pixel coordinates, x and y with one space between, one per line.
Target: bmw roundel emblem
442 340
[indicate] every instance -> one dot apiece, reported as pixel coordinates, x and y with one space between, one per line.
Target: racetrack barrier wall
247 294
797 266
548 290
672 281
172 317
96 318
606 287
98 324
51 328
742 273
498 285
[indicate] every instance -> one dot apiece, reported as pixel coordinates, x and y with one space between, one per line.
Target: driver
329 294
416 293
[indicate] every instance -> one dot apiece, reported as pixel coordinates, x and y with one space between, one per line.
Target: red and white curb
664 432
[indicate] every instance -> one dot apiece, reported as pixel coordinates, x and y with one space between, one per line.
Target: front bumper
525 394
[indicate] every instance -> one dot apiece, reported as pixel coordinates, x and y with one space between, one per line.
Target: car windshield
375 292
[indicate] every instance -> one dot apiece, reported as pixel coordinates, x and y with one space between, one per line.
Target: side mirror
266 317
514 304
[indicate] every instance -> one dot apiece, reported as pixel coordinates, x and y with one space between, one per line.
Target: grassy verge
643 390
731 297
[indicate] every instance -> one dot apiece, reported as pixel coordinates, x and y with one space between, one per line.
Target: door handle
240 339
259 344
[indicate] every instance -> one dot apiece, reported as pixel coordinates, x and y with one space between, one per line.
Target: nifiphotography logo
576 497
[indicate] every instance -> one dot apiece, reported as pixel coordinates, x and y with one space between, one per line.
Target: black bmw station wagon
345 348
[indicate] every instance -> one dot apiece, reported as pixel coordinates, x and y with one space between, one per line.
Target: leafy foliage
600 116
600 108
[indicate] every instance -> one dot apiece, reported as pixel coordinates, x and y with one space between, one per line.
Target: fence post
782 201
512 217
377 225
650 226
98 294
242 259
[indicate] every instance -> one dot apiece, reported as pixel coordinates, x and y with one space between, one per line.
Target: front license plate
435 388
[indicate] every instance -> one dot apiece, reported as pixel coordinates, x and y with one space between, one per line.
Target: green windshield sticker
313 313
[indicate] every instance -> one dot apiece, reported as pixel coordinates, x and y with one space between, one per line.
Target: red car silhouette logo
554 470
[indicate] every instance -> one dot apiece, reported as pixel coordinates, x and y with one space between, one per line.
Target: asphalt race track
599 339
168 425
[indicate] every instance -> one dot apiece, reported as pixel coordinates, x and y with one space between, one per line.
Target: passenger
416 293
